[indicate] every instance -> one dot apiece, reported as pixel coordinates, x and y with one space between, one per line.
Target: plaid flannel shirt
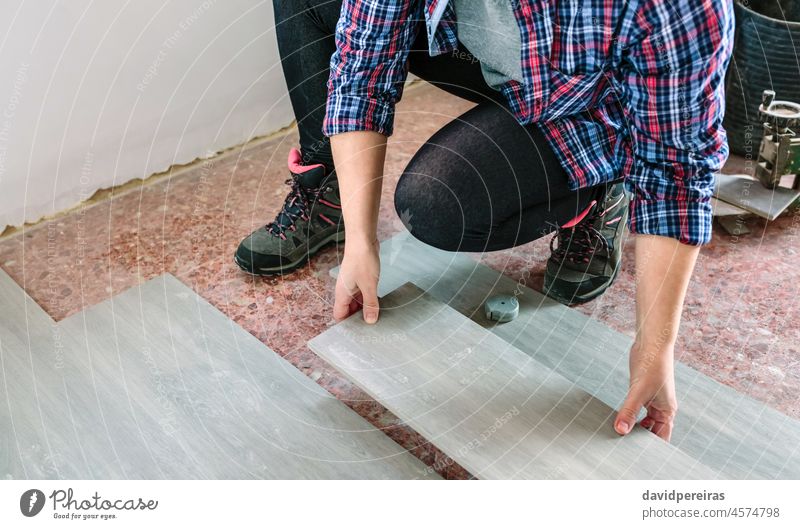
620 88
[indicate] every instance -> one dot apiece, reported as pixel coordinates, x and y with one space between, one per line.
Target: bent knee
427 212
285 10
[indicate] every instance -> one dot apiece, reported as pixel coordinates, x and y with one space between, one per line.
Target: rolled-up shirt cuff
348 113
688 221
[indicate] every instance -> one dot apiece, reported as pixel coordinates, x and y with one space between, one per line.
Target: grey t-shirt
489 30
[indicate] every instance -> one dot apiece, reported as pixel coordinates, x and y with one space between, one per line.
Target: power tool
778 156
779 153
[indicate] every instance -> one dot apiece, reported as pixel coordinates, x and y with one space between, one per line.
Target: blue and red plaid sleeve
675 87
670 83
369 67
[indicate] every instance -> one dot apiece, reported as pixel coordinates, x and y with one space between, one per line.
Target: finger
661 415
663 422
342 302
663 430
647 422
626 417
370 302
355 303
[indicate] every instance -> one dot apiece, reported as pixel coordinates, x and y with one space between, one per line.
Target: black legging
481 183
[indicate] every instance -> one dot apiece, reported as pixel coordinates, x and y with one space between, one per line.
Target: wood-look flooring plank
726 430
45 397
493 409
156 383
226 400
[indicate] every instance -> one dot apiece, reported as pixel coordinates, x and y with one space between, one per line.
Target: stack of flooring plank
535 398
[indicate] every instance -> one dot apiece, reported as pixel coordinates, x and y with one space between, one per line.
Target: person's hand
357 284
652 387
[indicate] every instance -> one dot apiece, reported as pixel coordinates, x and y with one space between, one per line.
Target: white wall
94 93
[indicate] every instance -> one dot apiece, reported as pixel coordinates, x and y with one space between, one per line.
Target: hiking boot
587 258
310 219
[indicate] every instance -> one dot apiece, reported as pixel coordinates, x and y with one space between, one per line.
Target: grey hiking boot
587 258
311 218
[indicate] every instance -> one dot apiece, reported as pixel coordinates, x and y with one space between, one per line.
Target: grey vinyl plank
726 430
26 449
155 383
733 224
493 409
231 406
749 194
21 318
45 403
720 208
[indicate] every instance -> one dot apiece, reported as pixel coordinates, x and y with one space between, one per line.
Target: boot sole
291 267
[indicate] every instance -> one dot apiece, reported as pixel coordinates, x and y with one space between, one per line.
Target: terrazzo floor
739 326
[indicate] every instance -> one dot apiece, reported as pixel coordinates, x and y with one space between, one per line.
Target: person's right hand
357 284
652 386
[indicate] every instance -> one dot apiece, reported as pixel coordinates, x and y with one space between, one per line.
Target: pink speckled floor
740 324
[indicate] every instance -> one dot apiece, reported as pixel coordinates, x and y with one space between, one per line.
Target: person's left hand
652 387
